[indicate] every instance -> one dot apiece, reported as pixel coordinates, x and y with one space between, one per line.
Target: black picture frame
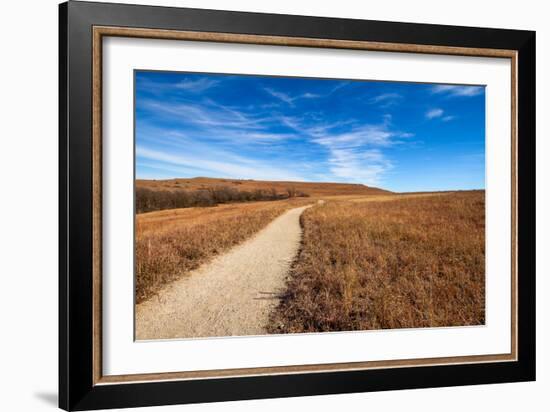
77 390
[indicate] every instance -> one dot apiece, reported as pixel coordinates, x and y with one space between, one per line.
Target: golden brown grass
411 262
170 243
309 188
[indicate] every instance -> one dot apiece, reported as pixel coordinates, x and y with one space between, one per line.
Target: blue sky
398 136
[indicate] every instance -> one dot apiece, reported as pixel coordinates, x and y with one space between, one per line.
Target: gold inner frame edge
101 31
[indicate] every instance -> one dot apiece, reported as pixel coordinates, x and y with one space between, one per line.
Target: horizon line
312 182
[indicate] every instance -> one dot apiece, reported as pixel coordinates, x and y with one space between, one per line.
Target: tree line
148 200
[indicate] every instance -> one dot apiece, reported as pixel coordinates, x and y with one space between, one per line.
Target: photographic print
275 205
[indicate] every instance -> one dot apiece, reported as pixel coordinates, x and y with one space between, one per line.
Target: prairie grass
407 263
170 243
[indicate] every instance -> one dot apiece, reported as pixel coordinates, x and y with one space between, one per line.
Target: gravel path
231 295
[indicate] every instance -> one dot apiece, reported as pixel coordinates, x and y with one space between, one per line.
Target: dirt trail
231 295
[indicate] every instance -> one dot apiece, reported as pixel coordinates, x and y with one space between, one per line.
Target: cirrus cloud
457 91
434 113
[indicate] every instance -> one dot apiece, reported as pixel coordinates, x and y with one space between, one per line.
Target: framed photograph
257 206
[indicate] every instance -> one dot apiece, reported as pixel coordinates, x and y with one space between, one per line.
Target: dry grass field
414 261
173 241
170 243
369 259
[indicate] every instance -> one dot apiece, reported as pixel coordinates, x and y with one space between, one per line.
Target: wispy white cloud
204 114
374 135
434 113
154 167
365 166
317 129
457 91
280 95
386 100
357 154
258 136
355 149
338 86
440 114
216 122
287 98
197 86
308 96
234 167
291 99
270 105
191 113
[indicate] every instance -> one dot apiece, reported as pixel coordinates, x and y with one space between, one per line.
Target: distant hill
309 188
